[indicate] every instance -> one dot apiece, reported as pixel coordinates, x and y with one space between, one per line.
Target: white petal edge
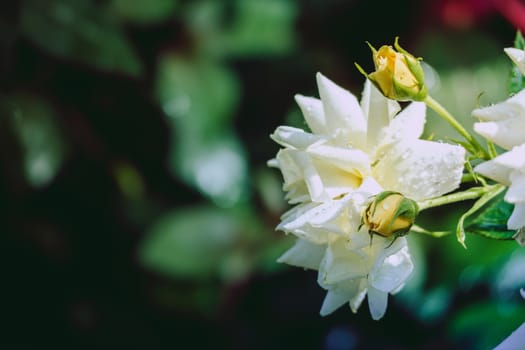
377 302
378 111
517 56
313 113
516 191
341 110
514 341
517 218
303 254
494 171
295 138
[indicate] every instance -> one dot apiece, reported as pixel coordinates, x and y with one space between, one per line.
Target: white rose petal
504 122
303 254
313 113
421 169
377 302
517 56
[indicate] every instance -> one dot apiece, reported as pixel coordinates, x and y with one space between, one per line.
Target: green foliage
81 32
252 28
144 12
484 325
517 80
36 128
201 243
200 98
262 27
491 222
478 205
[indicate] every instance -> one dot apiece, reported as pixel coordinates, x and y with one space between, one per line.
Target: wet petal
295 138
394 271
421 169
342 111
407 125
378 110
512 107
313 113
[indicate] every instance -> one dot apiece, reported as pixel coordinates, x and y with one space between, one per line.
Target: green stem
449 118
468 177
471 193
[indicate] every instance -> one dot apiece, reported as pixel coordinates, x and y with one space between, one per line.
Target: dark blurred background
137 209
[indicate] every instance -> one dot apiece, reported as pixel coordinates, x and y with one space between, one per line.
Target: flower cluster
504 125
356 152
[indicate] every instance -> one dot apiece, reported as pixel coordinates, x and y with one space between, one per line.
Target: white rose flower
355 151
503 124
351 262
509 170
351 141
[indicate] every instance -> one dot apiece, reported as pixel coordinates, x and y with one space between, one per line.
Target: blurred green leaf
517 80
201 243
200 98
142 11
216 166
79 31
491 222
485 325
38 132
205 21
262 27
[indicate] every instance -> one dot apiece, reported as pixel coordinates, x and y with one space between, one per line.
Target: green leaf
485 324
517 80
460 229
262 27
200 97
79 31
144 12
200 243
36 127
491 222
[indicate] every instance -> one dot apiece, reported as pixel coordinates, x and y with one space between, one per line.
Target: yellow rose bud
398 75
390 214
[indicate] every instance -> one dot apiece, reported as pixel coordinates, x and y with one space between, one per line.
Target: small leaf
517 80
79 31
460 230
492 221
